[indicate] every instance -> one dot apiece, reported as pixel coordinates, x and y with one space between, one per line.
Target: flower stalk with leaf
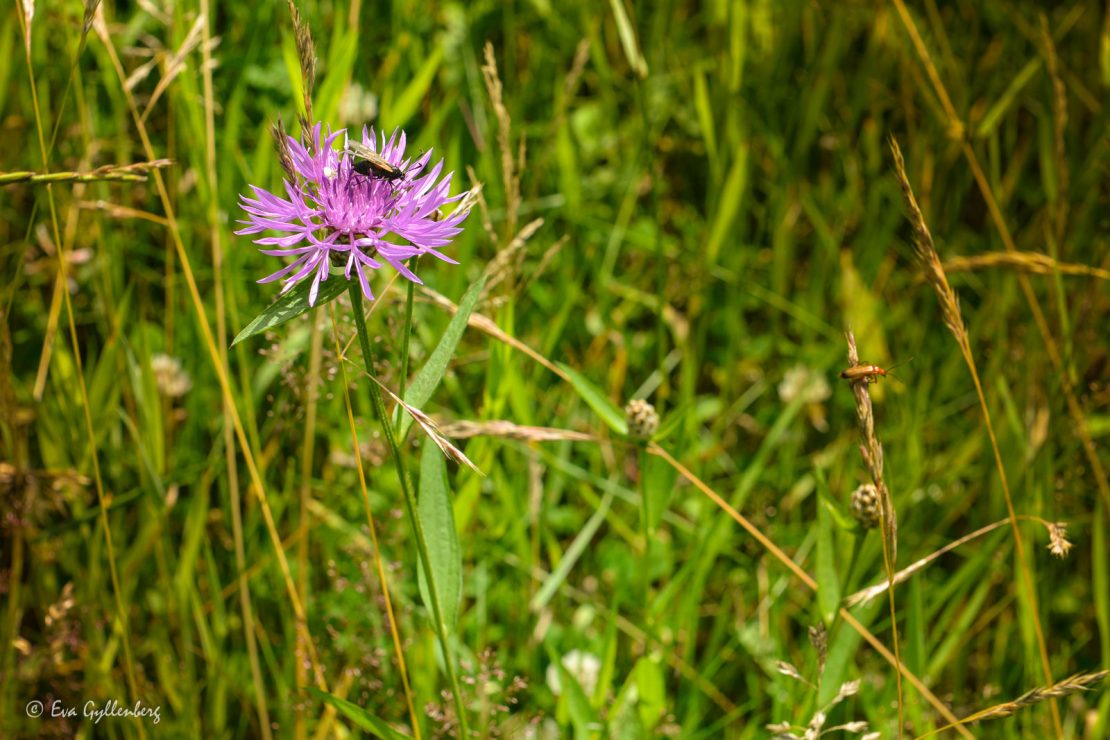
339 223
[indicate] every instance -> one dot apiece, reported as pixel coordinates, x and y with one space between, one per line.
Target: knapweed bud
865 506
642 419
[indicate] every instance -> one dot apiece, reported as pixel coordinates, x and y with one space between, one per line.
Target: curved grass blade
358 715
291 305
597 400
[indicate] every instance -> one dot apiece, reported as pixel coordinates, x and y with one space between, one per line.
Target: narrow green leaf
704 108
426 381
843 649
659 481
551 585
358 715
342 53
828 579
840 515
408 102
608 658
1104 54
728 205
609 412
291 305
624 719
1100 588
994 115
627 34
438 519
651 691
672 421
1100 578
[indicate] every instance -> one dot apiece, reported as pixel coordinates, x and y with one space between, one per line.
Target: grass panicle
930 263
1031 262
1077 684
306 57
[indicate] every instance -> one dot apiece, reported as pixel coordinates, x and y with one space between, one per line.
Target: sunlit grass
687 204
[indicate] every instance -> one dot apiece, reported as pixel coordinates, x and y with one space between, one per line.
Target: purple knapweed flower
331 214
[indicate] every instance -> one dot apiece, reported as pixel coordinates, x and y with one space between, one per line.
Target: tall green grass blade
728 205
574 700
826 565
996 112
651 691
1100 587
408 102
571 556
426 381
659 483
342 53
444 553
627 33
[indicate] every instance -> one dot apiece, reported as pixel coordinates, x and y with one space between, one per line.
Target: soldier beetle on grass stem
866 372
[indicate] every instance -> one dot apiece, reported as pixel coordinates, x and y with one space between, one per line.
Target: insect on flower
329 213
369 163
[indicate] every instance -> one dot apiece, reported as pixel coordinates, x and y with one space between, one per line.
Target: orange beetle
864 373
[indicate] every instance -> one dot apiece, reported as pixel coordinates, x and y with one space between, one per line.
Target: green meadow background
683 202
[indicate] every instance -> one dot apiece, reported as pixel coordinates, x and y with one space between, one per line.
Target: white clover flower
172 379
585 667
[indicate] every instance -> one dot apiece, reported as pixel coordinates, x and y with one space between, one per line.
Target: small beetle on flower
336 210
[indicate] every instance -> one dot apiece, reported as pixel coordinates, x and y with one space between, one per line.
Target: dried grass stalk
509 172
306 55
930 262
1073 685
175 64
506 265
449 450
135 172
872 451
1034 262
864 595
509 430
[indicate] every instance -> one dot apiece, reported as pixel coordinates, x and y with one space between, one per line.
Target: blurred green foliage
709 229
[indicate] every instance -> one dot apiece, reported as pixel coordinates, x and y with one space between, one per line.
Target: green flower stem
646 516
405 336
410 507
